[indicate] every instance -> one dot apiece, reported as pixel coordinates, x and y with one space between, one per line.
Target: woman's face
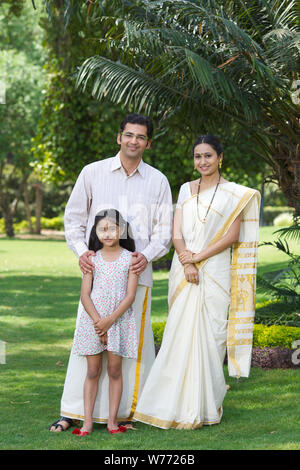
206 160
108 232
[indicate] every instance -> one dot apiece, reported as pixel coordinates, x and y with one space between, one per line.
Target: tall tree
210 65
20 65
76 129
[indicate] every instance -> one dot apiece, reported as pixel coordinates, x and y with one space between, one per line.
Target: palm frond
121 83
281 245
229 59
278 308
278 313
278 290
285 13
292 232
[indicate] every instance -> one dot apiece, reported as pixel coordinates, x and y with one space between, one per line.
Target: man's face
133 141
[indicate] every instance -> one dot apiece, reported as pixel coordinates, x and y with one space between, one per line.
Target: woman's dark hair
138 119
211 140
126 240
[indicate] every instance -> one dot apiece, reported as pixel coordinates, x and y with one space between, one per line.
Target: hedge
270 213
56 223
263 336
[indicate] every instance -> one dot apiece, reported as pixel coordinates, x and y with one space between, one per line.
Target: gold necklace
204 220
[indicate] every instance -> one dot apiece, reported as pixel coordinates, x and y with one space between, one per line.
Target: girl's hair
126 240
211 140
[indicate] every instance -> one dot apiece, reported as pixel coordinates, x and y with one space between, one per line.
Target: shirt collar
117 165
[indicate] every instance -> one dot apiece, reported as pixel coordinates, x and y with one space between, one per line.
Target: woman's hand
186 257
102 325
191 273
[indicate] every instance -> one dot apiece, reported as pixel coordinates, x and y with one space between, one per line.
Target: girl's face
206 159
108 232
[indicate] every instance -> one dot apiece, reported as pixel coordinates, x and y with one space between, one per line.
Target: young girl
107 321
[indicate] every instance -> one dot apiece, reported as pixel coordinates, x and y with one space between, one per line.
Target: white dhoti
134 371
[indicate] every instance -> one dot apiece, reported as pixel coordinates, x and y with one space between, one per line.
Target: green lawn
39 291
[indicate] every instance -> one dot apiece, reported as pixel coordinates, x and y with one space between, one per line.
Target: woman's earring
220 164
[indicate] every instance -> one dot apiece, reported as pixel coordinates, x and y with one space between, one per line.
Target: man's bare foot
61 424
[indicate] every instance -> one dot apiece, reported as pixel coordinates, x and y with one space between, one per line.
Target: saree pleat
186 386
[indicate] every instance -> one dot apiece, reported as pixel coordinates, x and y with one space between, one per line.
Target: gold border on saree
241 205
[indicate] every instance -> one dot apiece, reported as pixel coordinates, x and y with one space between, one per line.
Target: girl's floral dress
109 289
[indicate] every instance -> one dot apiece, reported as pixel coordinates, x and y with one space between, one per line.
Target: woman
215 235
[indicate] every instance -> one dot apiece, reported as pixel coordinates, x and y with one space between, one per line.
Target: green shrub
275 335
270 213
18 226
274 312
158 331
56 223
265 303
21 227
263 336
2 226
283 220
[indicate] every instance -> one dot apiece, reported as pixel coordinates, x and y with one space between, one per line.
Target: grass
39 290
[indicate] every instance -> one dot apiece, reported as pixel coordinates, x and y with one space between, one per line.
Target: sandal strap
60 426
62 418
67 420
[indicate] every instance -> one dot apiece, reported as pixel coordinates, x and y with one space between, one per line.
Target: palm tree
284 288
206 64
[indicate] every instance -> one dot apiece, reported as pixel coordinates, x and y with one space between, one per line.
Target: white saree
186 386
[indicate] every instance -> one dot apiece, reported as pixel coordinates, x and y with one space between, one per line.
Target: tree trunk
288 175
262 192
9 199
5 206
38 206
27 208
9 212
8 219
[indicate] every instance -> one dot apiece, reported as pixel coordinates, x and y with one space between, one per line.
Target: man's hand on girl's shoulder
85 262
138 263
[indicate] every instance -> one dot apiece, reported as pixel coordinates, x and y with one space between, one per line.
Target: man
142 195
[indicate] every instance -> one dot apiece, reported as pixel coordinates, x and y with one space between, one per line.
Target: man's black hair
138 119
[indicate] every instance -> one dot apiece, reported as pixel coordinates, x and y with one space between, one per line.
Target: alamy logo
2 92
296 353
296 92
3 76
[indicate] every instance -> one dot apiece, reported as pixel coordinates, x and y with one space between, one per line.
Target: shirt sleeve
76 215
161 232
